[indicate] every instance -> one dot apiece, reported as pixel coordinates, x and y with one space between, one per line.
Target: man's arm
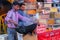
23 18
8 18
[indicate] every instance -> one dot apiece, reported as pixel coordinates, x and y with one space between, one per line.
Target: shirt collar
21 10
14 10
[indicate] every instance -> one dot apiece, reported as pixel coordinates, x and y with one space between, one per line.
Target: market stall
49 18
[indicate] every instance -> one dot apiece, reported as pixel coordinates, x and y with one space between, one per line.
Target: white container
3 37
20 36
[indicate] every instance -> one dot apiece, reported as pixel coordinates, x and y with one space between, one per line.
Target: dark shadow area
5 6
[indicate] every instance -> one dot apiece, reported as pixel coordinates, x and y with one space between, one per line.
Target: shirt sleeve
23 18
8 17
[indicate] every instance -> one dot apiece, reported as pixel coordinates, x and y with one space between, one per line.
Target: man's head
22 6
16 5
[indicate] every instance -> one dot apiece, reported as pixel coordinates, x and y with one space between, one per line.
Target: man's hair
15 3
21 4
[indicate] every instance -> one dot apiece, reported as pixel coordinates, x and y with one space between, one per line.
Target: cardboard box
51 21
57 15
44 16
53 9
47 5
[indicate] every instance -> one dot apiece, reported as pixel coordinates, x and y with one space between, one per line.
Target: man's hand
13 22
16 24
10 21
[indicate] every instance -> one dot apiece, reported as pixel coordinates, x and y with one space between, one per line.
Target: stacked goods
51 21
57 15
57 21
30 7
54 9
47 5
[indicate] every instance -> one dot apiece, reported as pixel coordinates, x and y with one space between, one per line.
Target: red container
44 36
52 35
57 34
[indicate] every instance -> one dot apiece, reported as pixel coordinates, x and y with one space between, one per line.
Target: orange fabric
32 0
31 11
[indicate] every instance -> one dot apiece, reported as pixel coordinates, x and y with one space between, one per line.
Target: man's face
16 7
22 7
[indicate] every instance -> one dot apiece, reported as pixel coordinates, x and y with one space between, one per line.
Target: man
12 21
29 25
